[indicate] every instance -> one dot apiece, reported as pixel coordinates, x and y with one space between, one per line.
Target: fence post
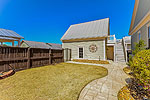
50 56
29 60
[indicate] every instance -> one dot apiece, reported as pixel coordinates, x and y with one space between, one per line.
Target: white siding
144 36
74 46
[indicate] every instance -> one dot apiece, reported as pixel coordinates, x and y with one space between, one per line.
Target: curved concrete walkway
105 88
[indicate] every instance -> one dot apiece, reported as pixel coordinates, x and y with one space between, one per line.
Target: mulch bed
133 91
91 61
124 94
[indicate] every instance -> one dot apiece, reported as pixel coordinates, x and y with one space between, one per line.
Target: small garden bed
128 71
124 94
91 61
139 71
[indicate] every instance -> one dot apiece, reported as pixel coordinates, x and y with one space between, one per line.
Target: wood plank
39 57
29 60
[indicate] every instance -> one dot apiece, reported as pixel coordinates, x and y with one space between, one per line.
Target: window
139 35
149 36
149 32
80 52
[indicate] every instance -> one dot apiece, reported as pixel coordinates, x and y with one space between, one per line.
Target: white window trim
78 52
104 50
148 25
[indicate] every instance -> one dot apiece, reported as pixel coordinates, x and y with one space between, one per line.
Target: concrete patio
105 88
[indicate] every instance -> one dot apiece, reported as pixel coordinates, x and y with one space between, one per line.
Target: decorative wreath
93 48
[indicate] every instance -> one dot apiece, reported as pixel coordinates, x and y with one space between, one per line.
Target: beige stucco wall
74 46
144 36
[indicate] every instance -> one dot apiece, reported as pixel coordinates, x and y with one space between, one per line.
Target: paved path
105 88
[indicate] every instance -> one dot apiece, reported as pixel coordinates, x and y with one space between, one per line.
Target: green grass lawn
54 82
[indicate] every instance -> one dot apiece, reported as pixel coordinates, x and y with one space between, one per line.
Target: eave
145 20
134 14
83 39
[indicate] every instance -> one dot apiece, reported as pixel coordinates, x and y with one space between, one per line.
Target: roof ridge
89 21
53 43
33 41
40 42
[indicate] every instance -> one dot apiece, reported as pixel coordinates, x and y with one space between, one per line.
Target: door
80 52
110 52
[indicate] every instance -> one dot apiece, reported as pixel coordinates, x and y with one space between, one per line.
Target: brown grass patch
54 82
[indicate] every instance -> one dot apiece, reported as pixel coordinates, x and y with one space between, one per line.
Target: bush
130 61
138 47
141 68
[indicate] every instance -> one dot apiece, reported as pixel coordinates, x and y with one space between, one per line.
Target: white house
92 40
87 40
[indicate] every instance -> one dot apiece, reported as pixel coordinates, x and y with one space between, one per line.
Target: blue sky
47 20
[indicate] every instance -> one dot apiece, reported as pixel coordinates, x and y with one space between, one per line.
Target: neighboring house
42 45
87 40
140 24
55 46
9 36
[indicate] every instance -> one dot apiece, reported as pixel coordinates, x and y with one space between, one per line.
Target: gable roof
93 29
9 34
55 46
141 15
34 44
43 45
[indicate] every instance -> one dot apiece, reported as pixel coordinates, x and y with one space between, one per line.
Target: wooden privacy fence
24 58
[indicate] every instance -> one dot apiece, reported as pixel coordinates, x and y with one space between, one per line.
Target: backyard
54 82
